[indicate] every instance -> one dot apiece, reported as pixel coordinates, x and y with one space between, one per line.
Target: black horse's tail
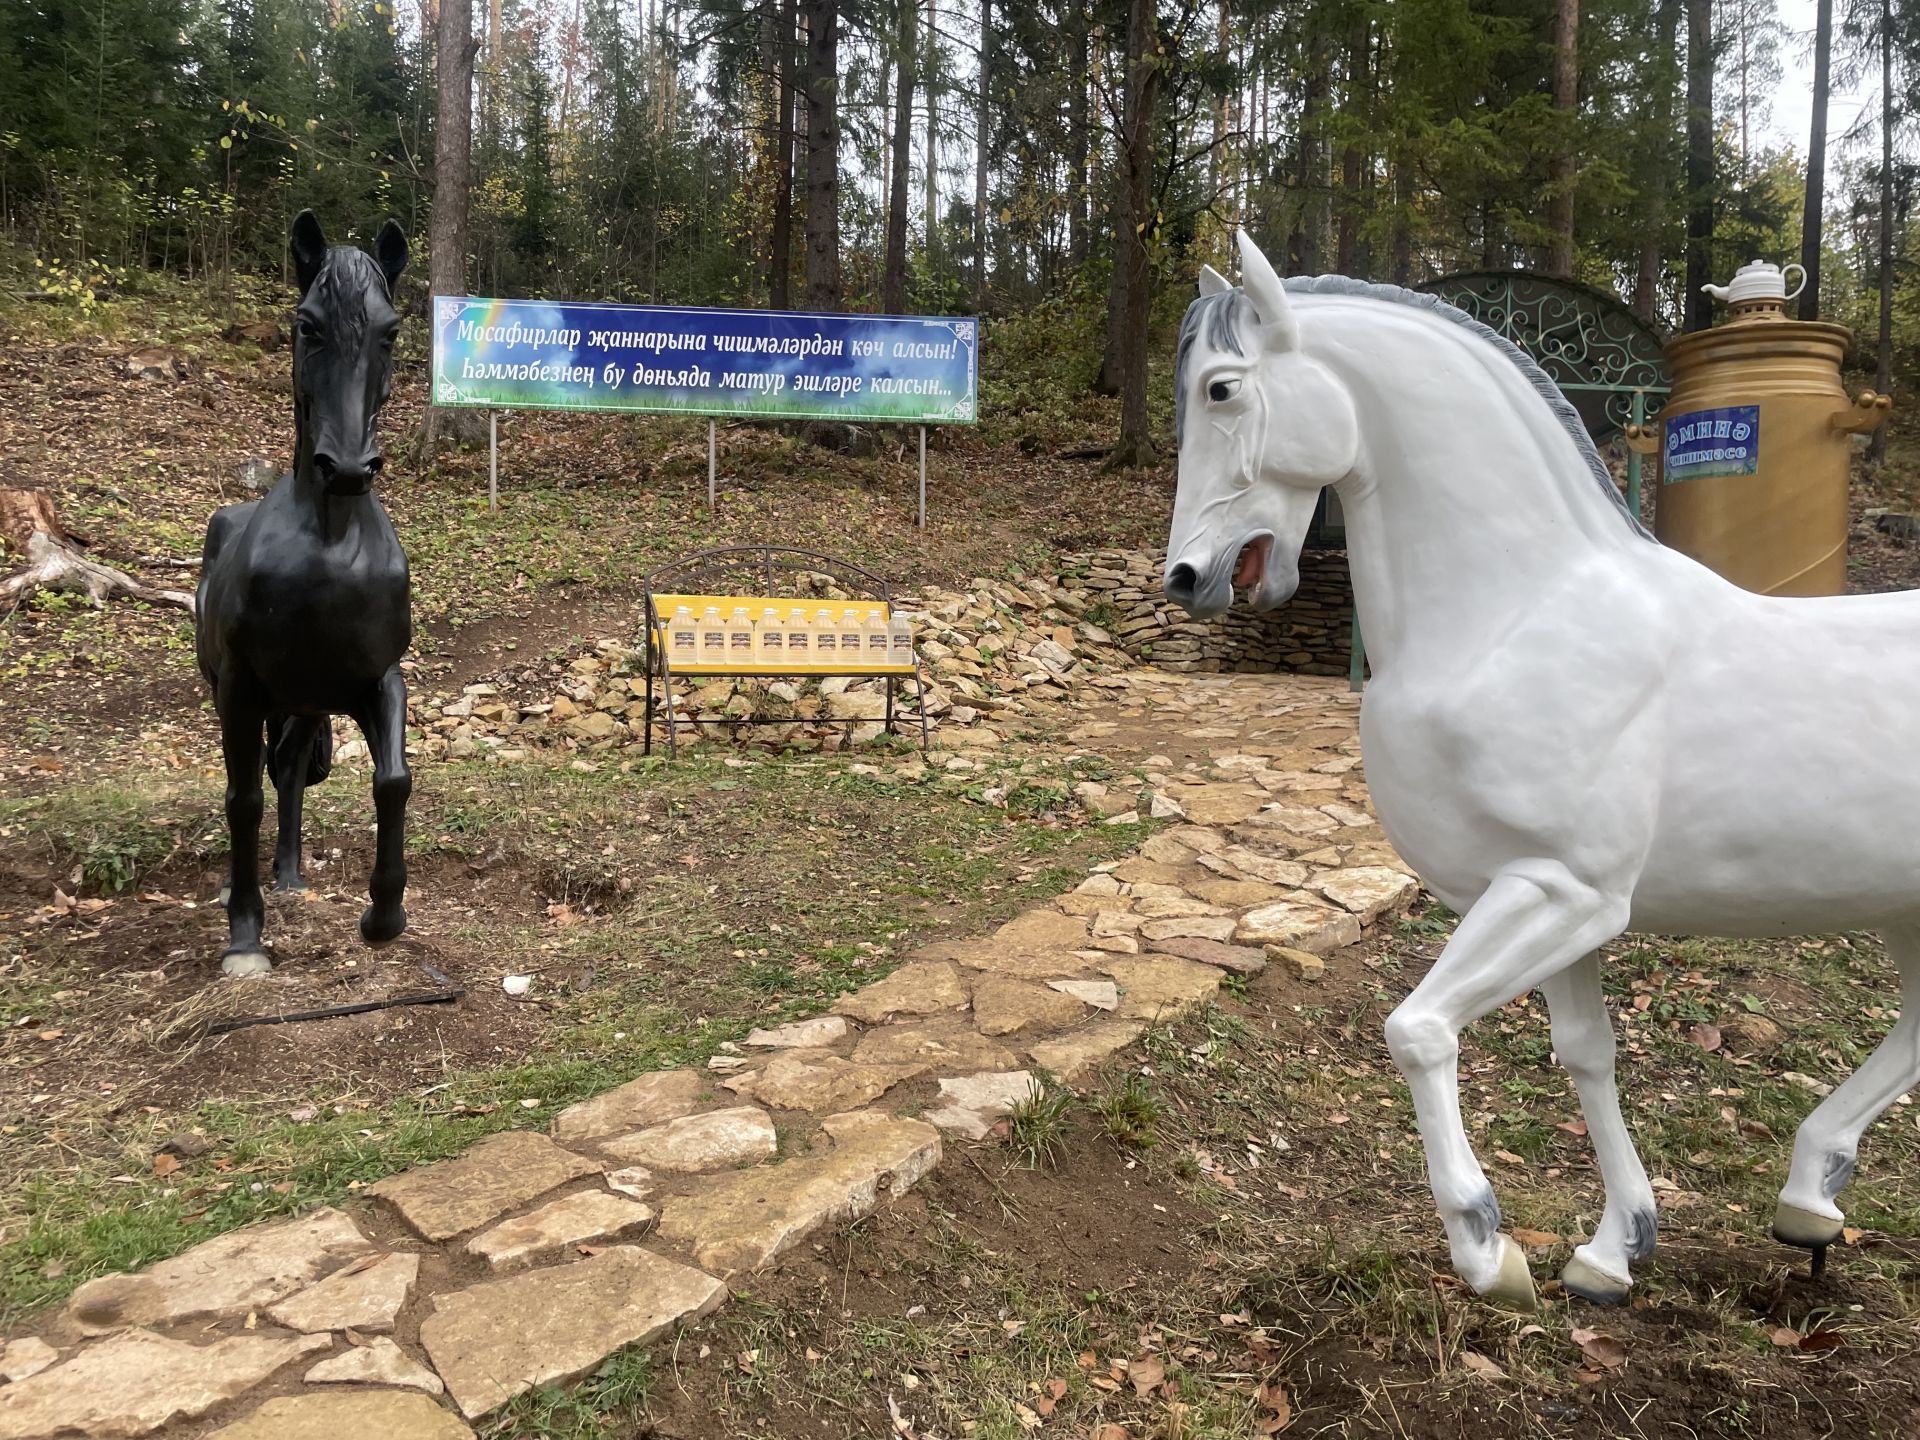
319 756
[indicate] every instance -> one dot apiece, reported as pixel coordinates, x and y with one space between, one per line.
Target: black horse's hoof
242 963
296 886
377 927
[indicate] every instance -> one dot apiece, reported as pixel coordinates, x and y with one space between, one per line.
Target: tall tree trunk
1560 168
1135 447
1079 214
780 242
1883 381
1353 202
931 74
1813 211
823 154
1400 265
1305 245
1699 310
893 279
452 182
1220 159
1659 187
981 121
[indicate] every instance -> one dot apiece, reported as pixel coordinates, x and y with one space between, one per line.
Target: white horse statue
1572 731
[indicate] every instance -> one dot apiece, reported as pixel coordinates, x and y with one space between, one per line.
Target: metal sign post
493 460
923 478
713 468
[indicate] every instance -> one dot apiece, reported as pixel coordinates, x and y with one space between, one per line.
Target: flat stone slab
1193 927
713 1140
134 1382
925 988
229 1275
380 1362
1240 959
1072 1056
557 1226
1298 925
1218 804
26 1356
1368 891
745 1220
1041 930
821 1031
664 1095
372 1414
501 1337
364 1295
970 1104
1101 994
1159 987
1002 1006
1239 894
819 1081
501 1173
942 1045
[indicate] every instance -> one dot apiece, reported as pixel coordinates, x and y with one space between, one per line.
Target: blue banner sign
1706 443
781 365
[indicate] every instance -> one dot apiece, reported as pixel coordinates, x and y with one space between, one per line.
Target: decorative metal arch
1598 352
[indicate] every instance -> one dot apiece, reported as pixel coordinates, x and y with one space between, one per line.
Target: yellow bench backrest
665 607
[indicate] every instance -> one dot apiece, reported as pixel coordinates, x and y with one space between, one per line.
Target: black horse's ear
309 248
390 252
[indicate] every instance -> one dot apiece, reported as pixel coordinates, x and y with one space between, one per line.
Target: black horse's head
343 350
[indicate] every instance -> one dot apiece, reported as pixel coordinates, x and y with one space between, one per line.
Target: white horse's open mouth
1250 570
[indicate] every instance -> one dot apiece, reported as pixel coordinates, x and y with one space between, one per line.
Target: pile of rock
1310 634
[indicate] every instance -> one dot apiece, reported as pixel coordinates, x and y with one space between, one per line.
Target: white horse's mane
1221 314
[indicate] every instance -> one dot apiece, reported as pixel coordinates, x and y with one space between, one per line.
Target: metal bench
754 576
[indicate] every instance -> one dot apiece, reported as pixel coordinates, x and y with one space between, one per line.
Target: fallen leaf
1146 1373
1785 1337
1111 1431
1507 1157
1755 1130
1272 1398
1572 1127
1603 1350
1535 1237
165 1165
1481 1365
1706 1036
1850 1235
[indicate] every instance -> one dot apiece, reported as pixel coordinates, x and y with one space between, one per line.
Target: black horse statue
304 600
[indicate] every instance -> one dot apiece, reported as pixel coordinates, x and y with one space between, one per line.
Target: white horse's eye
1221 390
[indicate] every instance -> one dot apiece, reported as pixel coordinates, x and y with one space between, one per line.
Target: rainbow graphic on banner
662 359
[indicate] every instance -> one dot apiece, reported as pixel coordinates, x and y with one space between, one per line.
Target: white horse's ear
1212 282
1269 297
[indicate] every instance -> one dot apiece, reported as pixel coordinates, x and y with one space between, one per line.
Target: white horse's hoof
246 962
1512 1287
1592 1284
1807 1229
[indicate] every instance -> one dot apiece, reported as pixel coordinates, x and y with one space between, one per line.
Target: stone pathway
526 1261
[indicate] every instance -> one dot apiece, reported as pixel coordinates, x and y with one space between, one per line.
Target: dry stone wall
1311 633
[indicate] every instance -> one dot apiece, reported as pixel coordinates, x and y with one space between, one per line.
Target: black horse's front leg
241 725
292 769
384 722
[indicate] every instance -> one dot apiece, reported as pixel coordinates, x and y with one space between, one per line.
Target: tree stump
55 560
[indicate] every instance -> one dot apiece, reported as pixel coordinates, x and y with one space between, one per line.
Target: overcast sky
1793 103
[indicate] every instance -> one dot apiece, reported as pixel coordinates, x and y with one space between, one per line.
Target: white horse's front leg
1534 920
1583 1039
1828 1140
